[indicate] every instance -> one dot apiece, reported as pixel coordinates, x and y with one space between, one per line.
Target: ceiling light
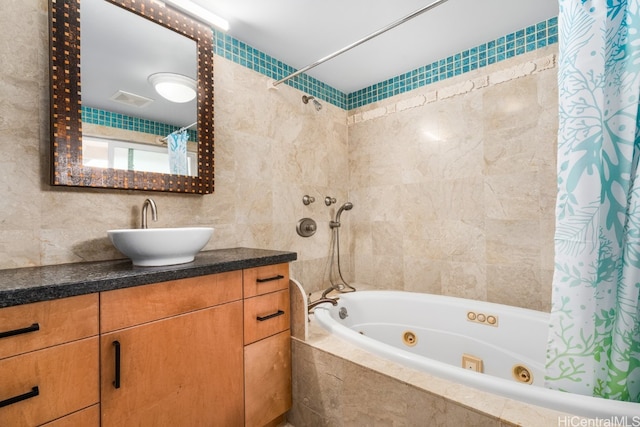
199 12
174 87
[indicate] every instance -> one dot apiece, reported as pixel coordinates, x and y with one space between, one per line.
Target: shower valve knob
329 200
307 200
306 227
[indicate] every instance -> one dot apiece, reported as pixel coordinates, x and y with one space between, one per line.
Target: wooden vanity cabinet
211 350
172 353
267 338
49 362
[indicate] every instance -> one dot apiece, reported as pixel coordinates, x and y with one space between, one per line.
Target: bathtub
454 338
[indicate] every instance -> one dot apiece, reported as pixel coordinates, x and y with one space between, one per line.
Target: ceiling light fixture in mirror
174 87
73 164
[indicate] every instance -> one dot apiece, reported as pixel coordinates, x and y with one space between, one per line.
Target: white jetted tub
492 347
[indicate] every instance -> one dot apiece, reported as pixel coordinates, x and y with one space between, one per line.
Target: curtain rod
179 130
365 39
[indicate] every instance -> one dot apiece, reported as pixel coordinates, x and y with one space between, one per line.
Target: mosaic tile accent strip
427 95
121 121
247 56
520 42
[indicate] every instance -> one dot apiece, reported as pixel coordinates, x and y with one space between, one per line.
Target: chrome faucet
154 212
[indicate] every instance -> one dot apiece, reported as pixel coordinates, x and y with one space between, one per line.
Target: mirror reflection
139 87
117 130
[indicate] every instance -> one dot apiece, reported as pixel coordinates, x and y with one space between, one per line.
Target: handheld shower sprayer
335 275
345 207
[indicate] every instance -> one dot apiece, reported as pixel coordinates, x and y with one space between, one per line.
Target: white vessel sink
160 246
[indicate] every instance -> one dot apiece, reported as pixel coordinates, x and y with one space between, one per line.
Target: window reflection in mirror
109 153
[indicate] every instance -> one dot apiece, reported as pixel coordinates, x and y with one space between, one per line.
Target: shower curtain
177 149
594 336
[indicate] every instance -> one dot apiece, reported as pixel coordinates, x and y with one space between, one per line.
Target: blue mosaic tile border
245 55
121 121
517 43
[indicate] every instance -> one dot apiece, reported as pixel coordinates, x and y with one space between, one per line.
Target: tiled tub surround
28 285
454 185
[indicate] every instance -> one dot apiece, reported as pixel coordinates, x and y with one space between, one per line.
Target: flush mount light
199 12
174 87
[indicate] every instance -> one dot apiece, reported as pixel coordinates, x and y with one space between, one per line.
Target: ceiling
300 32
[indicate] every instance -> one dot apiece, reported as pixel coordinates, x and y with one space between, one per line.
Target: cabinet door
267 379
183 371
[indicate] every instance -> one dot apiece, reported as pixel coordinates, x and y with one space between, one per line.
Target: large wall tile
470 162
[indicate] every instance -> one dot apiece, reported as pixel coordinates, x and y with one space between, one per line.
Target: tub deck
445 402
484 406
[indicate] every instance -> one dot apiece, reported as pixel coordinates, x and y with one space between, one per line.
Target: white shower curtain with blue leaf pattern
177 150
594 336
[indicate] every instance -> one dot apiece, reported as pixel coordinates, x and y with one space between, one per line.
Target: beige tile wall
271 149
453 184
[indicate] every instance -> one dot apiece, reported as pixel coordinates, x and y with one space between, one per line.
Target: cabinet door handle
270 279
10 401
269 316
116 382
32 328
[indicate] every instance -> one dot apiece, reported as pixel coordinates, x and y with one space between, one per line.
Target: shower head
316 104
345 207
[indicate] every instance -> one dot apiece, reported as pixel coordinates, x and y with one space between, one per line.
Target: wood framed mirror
69 162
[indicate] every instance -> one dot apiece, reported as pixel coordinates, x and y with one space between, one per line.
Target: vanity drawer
262 280
29 327
266 315
127 307
66 377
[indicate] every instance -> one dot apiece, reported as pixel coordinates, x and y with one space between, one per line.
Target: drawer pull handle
270 279
270 316
32 328
10 401
116 382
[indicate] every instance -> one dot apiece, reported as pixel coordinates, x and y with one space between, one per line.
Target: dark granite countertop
33 284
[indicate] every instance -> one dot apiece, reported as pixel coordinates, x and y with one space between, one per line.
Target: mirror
109 124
